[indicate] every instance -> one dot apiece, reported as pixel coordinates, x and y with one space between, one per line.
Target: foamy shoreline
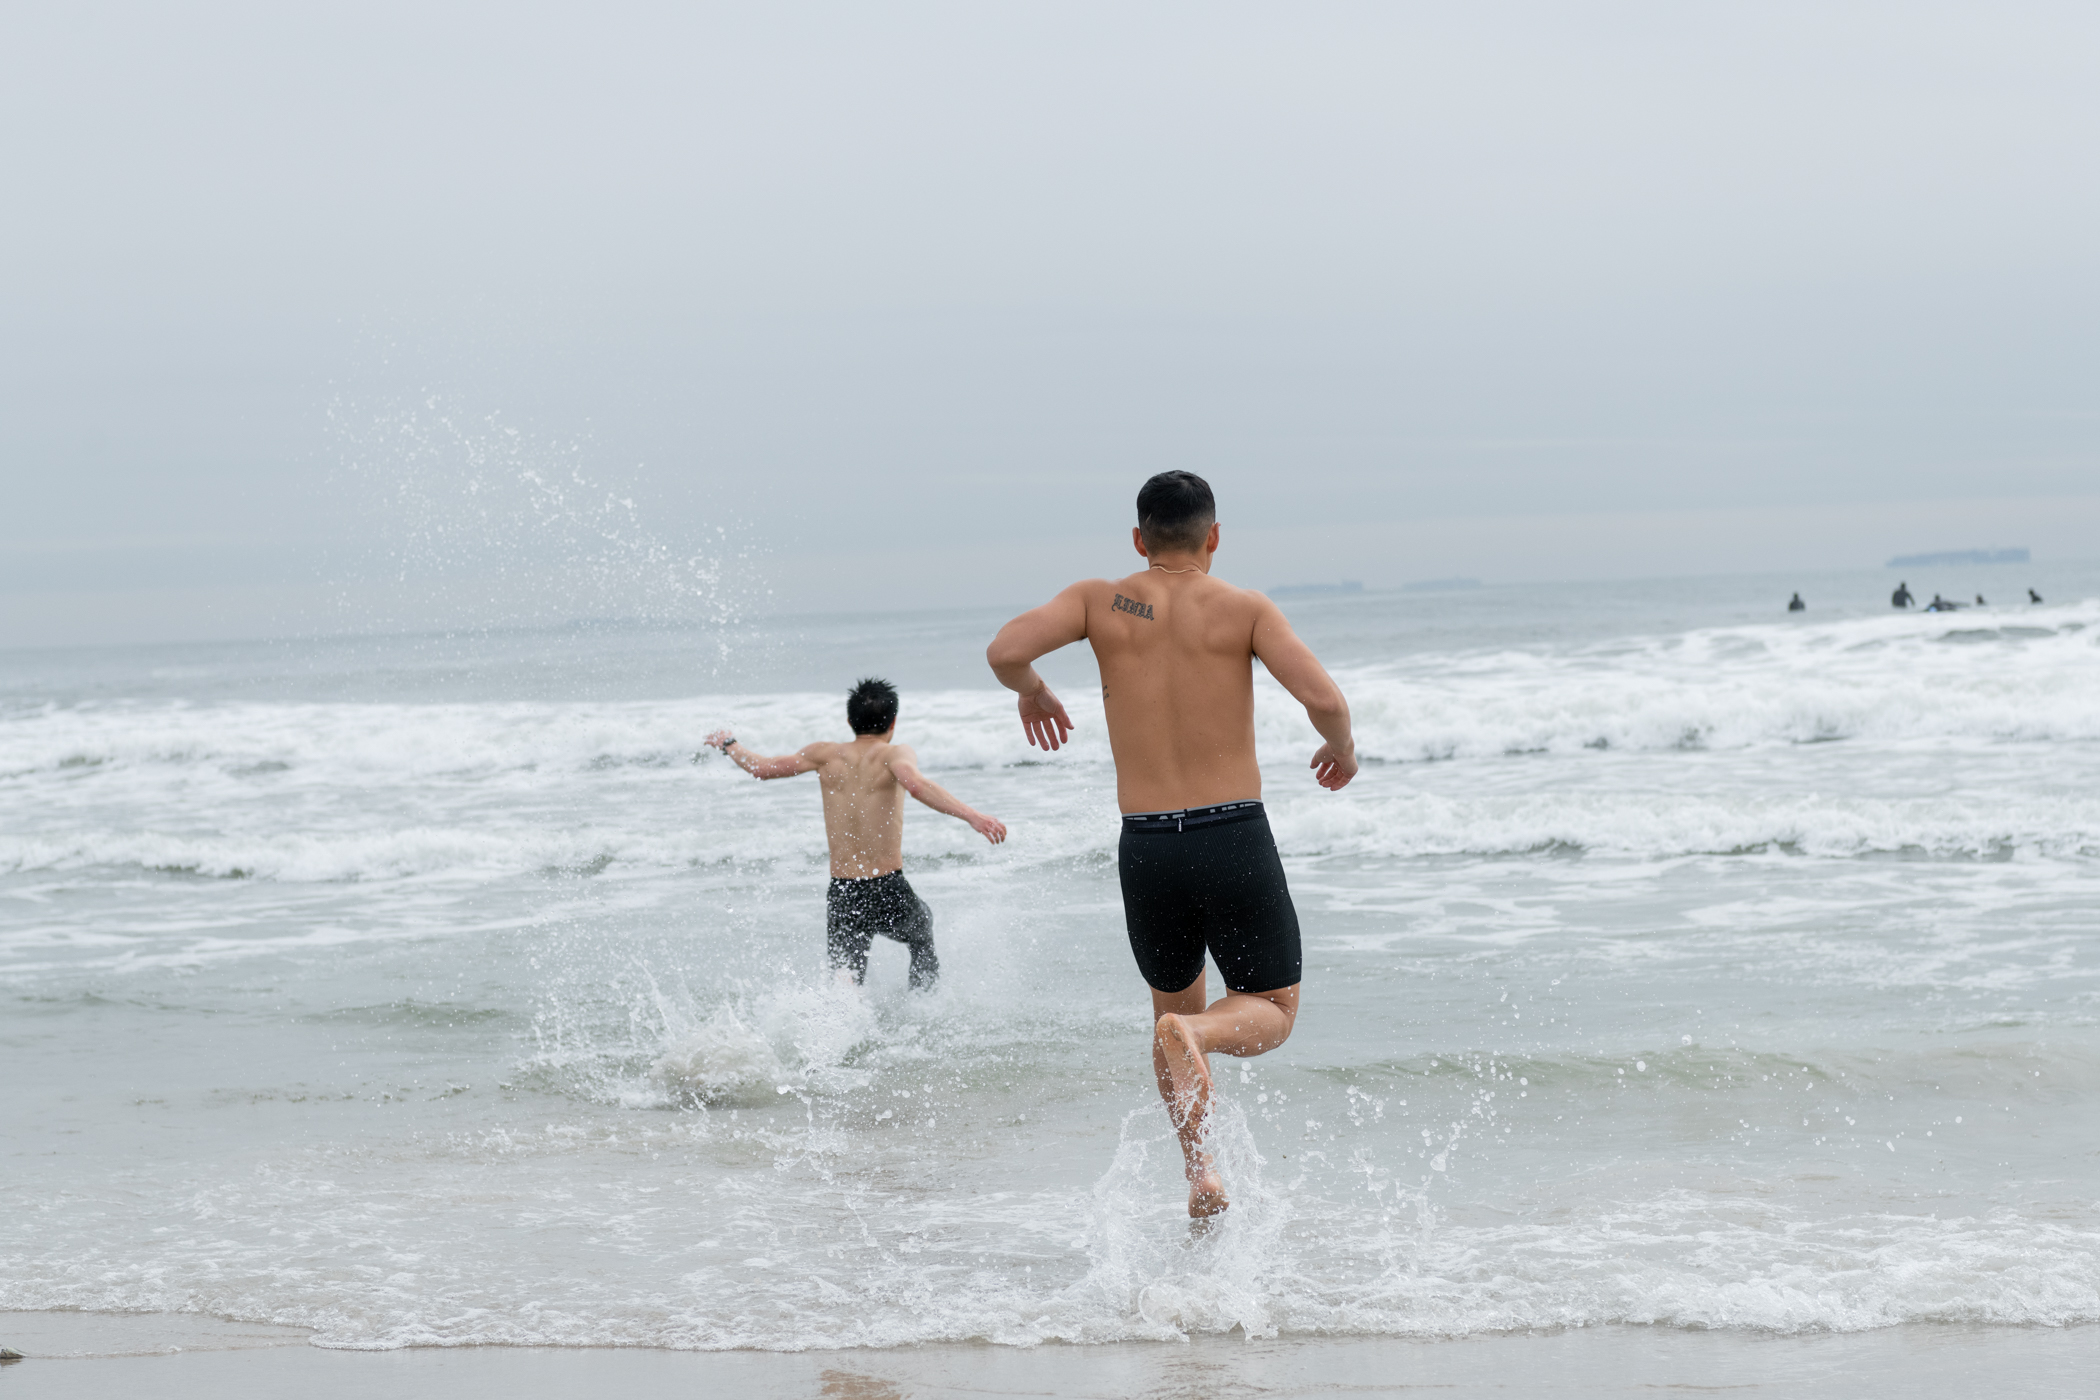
178 1357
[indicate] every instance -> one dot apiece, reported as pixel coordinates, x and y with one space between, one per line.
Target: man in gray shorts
864 783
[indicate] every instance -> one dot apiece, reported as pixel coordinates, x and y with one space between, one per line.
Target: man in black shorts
1199 868
864 786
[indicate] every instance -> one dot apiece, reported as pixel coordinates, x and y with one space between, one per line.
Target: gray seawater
1672 961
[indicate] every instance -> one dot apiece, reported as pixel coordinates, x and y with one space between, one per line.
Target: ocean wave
337 791
1390 824
1884 679
1891 679
261 747
1662 824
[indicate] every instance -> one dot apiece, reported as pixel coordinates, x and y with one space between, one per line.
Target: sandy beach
87 1354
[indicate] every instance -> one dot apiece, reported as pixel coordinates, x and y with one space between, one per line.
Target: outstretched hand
1333 770
990 828
717 739
1044 717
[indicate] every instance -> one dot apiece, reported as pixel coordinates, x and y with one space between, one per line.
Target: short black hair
1176 511
871 707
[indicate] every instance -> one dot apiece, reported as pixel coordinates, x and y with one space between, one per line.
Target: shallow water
1672 961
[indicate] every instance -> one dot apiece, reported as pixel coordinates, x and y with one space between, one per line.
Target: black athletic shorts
1208 877
857 910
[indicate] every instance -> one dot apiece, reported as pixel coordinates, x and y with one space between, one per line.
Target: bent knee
1285 1000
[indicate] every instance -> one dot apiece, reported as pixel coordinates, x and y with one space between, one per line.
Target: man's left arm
904 767
1297 670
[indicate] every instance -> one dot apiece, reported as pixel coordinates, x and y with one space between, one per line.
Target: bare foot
1206 1194
1188 1104
1188 1074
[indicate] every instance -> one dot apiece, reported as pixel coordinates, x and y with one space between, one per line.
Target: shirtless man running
1199 867
864 783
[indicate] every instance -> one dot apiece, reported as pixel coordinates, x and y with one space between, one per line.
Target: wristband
724 745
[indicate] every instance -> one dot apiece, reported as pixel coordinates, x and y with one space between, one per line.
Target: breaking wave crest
244 789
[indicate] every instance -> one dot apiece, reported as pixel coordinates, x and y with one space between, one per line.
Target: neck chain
1193 568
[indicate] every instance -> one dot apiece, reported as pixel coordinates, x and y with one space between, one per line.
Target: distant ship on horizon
1948 557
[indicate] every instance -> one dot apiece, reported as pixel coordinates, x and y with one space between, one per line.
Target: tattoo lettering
1133 607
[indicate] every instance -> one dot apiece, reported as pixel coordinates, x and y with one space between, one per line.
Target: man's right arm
1297 670
802 760
1012 655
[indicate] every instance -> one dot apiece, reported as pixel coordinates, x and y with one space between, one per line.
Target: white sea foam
1661 824
721 1060
1396 820
801 1038
489 790
712 821
1285 1262
1885 679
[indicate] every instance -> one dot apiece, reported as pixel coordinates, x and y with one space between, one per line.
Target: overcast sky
897 303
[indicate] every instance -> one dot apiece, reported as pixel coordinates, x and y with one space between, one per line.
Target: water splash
489 524
1159 1275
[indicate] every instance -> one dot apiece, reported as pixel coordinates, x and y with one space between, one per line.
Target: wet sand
88 1354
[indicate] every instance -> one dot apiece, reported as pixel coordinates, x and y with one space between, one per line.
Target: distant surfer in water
2033 597
1901 597
864 783
1796 605
1199 868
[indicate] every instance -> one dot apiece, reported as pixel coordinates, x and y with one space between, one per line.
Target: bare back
1177 681
864 785
863 806
1177 649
